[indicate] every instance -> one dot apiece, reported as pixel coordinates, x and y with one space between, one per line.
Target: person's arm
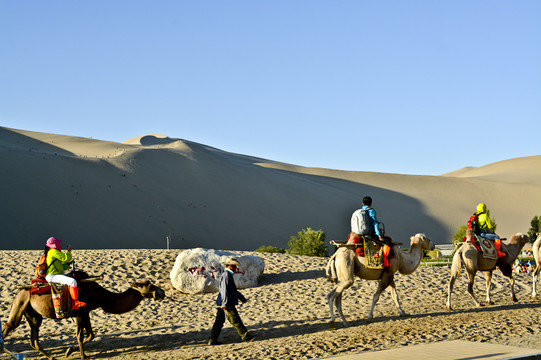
488 223
372 214
241 297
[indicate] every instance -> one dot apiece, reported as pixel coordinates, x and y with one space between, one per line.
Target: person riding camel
365 223
57 263
486 228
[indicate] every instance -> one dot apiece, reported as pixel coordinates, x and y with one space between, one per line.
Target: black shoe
249 338
214 342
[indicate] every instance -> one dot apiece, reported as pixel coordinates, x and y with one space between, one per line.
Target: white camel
473 261
537 256
344 265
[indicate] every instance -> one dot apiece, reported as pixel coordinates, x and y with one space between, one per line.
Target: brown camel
344 265
473 261
536 248
35 307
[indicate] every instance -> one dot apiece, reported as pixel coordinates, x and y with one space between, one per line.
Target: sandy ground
288 311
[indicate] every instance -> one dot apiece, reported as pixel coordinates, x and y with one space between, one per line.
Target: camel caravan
368 254
482 250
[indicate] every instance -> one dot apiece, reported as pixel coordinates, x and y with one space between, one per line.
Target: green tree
535 227
458 238
308 242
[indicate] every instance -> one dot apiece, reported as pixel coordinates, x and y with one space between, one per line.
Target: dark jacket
229 296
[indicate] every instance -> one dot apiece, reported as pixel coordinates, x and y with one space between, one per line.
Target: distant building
445 249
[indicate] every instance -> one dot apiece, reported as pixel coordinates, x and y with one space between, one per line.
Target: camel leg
344 267
384 282
488 276
535 276
83 322
34 321
512 282
394 295
507 271
330 299
455 273
471 279
335 299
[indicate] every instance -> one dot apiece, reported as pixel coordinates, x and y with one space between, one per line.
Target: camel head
149 290
519 238
421 240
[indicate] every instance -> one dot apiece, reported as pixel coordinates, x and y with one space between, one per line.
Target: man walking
227 299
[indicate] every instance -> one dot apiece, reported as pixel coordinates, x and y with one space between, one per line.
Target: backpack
360 222
41 269
473 223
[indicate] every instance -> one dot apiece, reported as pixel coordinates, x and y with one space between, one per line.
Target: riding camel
36 307
473 261
536 248
344 265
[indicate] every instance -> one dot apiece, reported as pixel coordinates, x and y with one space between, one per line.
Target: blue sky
410 87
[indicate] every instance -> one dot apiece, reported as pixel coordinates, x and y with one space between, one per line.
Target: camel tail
330 271
456 266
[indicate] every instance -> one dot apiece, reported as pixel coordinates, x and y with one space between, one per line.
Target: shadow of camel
124 343
287 276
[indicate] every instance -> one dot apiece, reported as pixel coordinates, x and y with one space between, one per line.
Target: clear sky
410 87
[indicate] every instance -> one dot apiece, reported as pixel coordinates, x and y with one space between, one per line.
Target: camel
536 248
35 307
473 261
344 265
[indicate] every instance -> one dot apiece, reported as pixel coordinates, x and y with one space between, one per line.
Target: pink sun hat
54 243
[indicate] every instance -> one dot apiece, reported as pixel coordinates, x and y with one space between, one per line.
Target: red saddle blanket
40 286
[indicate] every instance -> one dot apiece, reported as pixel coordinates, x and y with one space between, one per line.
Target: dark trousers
233 317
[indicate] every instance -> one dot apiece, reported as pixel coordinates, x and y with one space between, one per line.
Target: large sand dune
98 194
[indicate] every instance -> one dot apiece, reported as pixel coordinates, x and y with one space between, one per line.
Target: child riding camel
486 229
57 263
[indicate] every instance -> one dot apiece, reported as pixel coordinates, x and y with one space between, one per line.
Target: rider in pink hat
53 243
57 263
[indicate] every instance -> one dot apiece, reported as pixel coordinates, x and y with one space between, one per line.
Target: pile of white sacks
198 270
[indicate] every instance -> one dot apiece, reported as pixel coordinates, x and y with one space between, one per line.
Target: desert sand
288 312
97 194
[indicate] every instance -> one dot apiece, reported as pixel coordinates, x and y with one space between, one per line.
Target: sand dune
98 194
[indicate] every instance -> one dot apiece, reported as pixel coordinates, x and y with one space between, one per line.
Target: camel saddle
375 253
39 286
491 249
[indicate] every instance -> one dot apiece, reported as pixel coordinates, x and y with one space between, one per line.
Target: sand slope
98 194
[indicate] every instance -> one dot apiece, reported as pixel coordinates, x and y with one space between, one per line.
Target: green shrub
270 249
458 238
535 227
308 242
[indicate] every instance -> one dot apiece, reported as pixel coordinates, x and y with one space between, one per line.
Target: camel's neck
410 260
514 249
118 303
